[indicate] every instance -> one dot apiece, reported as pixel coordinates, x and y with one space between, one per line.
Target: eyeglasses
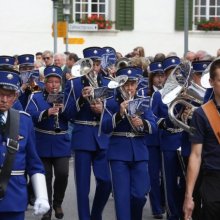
46 58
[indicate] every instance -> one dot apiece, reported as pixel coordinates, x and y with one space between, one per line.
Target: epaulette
23 112
34 92
72 78
108 78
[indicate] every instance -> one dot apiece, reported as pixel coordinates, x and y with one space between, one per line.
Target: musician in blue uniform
52 139
156 81
89 148
128 153
8 62
26 65
170 141
18 155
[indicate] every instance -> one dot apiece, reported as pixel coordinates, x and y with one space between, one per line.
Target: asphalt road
70 205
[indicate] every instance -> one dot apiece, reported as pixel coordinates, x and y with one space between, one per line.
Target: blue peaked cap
156 67
200 66
93 53
170 62
53 71
7 61
9 79
26 59
109 57
133 73
34 74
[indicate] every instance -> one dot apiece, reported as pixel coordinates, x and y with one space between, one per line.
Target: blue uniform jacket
49 143
27 160
84 137
122 147
168 140
17 105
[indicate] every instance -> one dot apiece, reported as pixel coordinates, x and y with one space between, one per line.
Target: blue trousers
174 192
130 187
155 173
84 160
12 215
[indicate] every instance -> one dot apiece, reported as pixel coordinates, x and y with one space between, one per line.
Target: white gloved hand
41 206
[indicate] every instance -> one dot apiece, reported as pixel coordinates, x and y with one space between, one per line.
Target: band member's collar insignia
20 137
10 76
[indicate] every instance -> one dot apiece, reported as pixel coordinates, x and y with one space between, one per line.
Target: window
86 8
119 11
206 10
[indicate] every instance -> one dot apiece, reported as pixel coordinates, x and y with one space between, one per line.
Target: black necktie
2 121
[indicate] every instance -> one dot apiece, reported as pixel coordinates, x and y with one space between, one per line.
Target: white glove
41 205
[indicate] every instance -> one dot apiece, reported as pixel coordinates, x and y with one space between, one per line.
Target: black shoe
58 212
47 216
159 216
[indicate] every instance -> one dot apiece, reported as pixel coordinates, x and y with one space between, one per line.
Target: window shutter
179 18
60 15
124 15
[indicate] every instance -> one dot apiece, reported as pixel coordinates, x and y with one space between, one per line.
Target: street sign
61 29
83 27
74 40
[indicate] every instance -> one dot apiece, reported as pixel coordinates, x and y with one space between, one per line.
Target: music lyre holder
56 99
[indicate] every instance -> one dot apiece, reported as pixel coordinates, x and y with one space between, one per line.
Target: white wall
26 28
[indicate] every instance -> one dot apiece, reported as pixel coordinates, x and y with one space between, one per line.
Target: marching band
131 121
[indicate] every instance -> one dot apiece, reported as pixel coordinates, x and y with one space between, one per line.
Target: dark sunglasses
46 58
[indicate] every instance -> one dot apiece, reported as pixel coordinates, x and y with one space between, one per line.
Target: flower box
99 20
210 25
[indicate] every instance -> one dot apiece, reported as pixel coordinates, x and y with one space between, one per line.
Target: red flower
211 25
99 20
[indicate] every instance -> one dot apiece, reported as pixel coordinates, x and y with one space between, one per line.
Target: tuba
179 89
122 62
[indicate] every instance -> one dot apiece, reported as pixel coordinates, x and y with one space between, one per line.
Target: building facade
26 25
